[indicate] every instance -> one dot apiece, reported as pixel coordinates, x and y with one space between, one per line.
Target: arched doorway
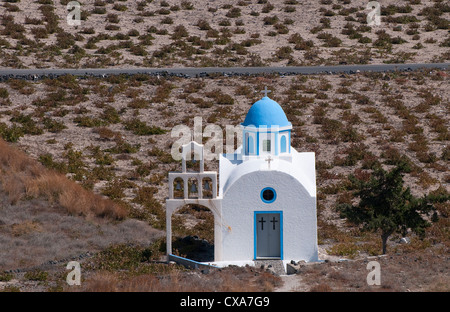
194 228
193 233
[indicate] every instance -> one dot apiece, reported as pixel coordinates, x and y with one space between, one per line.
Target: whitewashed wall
242 198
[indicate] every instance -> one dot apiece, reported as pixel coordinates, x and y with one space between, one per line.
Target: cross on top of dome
265 91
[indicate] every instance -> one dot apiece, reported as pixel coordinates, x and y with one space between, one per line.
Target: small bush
233 13
6 277
270 20
186 5
36 275
89 122
141 128
114 190
48 162
283 53
344 249
12 133
137 103
267 8
220 98
123 147
4 94
112 18
53 125
203 25
29 126
120 7
446 153
329 40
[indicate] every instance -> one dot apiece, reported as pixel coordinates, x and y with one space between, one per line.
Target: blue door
268 235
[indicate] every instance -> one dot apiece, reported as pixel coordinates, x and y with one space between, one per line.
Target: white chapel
264 199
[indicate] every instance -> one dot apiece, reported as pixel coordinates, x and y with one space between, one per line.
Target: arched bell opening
178 188
207 188
193 188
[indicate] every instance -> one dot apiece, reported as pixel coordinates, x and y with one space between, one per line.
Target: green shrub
365 40
29 126
203 25
446 153
283 53
164 157
123 147
271 20
75 162
132 259
300 43
4 94
344 249
138 103
97 10
104 159
220 98
281 28
162 93
119 257
329 40
331 128
289 9
141 128
402 19
114 189
144 195
89 122
267 8
36 275
110 115
233 13
53 125
48 162
112 18
186 5
355 153
120 7
5 277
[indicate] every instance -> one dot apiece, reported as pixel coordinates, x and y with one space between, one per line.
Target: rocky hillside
35 33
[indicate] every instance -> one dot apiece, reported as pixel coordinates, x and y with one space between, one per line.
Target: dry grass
228 279
23 177
403 271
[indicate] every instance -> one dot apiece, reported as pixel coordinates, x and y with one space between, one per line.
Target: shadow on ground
194 248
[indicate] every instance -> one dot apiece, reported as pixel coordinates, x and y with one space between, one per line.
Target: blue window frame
251 145
283 144
268 195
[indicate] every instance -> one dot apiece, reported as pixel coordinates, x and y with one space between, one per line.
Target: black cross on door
262 221
273 222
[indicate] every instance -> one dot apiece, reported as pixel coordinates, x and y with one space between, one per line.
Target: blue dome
266 112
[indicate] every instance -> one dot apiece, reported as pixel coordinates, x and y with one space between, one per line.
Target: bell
206 185
194 188
178 186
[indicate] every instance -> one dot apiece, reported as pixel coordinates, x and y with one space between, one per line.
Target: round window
268 195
